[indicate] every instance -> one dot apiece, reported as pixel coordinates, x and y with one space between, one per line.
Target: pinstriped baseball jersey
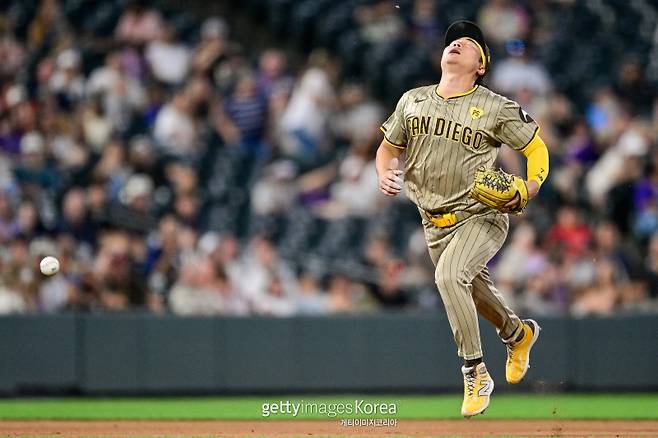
446 140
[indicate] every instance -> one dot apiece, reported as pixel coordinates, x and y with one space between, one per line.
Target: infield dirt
453 428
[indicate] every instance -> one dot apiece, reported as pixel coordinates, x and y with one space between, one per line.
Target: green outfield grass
545 406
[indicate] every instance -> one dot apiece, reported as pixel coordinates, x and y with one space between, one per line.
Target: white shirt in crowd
169 62
54 294
514 74
357 190
187 300
308 108
121 94
11 301
174 131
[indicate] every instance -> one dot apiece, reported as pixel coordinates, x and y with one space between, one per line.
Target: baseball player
450 134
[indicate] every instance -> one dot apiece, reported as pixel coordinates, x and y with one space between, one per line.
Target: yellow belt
447 219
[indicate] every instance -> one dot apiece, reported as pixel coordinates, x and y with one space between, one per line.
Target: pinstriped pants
460 254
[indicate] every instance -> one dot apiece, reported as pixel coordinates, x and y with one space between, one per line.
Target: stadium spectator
48 24
601 296
204 289
162 259
419 273
19 277
503 20
544 293
267 282
111 168
518 72
305 120
174 129
608 245
27 220
168 58
340 295
633 87
276 191
311 300
275 300
139 25
569 235
8 227
273 77
96 126
12 296
246 111
618 164
35 173
121 286
379 22
12 53
75 220
352 193
358 116
11 301
386 284
226 253
634 298
66 81
212 49
425 24
188 296
121 94
136 208
519 262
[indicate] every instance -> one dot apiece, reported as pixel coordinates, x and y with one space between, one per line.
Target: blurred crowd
172 166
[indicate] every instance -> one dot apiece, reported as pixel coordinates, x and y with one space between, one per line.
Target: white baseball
49 265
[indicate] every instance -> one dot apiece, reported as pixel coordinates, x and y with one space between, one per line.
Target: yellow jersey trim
381 128
436 90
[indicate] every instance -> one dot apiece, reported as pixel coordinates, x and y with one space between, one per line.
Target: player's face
462 55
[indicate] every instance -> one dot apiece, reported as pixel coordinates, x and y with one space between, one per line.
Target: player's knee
449 278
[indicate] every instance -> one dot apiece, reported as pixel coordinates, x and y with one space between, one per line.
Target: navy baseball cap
470 30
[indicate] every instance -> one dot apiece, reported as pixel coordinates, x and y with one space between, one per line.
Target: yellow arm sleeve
537 154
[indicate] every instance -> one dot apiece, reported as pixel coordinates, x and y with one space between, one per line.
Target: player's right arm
390 182
391 147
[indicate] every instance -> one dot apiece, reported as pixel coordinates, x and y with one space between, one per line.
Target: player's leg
462 316
469 248
454 288
519 336
460 309
461 260
492 306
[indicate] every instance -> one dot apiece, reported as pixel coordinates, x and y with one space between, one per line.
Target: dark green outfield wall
124 354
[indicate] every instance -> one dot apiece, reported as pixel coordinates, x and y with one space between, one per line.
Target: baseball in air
49 265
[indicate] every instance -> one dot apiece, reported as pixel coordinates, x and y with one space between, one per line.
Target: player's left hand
502 191
513 205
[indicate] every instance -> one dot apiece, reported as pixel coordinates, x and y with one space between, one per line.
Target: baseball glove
495 188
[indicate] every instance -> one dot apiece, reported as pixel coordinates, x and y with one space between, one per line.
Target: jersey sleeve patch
525 116
514 126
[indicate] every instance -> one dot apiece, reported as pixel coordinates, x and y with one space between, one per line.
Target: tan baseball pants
460 254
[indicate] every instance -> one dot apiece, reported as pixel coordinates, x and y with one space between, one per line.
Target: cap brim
461 29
